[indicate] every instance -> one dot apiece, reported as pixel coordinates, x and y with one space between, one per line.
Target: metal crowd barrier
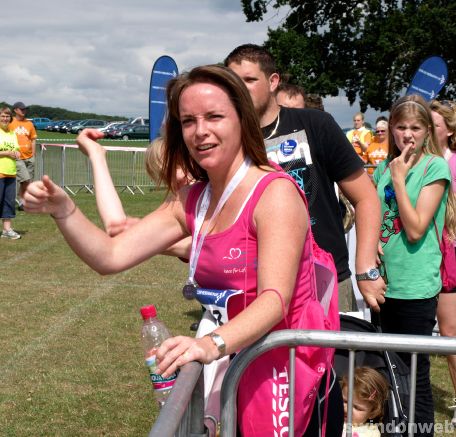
71 169
183 413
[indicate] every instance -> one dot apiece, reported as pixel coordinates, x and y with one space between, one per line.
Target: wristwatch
371 275
219 342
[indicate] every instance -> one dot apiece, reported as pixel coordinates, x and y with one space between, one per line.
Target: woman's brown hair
176 153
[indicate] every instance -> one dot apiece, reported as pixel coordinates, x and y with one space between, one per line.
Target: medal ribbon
197 244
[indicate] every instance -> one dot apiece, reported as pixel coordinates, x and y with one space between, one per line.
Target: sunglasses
448 104
380 131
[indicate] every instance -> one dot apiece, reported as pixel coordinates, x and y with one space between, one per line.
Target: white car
110 125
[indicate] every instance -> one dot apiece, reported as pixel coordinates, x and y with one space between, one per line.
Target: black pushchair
390 365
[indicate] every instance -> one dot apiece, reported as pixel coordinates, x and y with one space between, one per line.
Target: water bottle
153 333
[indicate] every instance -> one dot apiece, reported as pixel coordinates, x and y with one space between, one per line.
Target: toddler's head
370 392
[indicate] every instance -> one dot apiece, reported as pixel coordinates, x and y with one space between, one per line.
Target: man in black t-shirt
311 147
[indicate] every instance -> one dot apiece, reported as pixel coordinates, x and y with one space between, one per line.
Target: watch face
373 274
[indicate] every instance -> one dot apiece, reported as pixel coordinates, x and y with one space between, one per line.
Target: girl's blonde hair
448 114
414 106
154 160
371 387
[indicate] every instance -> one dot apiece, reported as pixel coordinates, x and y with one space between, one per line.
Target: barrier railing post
176 416
411 423
351 377
62 167
292 391
39 166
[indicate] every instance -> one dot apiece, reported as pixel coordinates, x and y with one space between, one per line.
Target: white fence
71 169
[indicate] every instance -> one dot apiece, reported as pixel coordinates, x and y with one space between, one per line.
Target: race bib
216 302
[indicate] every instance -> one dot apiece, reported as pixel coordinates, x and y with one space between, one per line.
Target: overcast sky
97 56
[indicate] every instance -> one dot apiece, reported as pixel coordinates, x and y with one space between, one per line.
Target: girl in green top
413 188
9 152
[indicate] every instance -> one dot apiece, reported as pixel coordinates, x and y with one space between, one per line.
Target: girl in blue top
413 188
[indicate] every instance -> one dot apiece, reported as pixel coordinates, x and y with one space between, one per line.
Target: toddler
370 392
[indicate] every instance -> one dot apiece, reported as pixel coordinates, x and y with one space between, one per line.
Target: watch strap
219 342
361 277
371 275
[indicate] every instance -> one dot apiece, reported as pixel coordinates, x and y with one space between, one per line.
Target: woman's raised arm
150 236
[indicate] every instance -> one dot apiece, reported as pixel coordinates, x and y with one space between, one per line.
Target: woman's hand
177 351
14 154
46 197
87 142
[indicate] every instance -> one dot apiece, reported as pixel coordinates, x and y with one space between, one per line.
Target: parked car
53 126
92 123
66 127
133 132
110 125
113 131
40 123
138 120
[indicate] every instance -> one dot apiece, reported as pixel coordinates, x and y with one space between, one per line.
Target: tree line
370 49
63 114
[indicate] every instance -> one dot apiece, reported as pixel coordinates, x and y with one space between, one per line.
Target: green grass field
71 360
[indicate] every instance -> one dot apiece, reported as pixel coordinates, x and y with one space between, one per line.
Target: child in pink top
444 118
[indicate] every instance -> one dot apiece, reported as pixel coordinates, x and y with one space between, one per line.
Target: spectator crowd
256 169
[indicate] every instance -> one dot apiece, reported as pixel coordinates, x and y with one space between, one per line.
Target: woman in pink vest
250 226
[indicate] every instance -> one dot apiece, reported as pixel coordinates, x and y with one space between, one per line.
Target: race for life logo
234 253
280 401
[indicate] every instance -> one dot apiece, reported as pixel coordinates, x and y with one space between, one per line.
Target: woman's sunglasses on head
448 104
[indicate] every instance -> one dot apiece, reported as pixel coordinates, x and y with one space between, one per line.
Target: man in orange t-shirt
26 136
360 136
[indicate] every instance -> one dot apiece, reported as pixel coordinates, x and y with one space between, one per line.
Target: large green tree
370 49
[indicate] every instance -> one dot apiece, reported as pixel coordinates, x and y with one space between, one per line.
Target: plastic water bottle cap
148 311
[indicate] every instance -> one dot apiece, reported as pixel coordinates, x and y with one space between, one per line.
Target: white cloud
97 56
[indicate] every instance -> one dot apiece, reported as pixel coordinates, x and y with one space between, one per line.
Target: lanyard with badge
190 288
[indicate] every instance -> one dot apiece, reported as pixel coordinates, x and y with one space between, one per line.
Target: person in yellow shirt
360 136
378 148
9 152
26 136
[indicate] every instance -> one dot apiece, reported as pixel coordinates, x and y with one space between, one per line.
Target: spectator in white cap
26 136
378 148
